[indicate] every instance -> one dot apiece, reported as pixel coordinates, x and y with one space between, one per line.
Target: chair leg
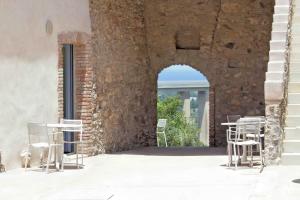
239 154
261 159
165 140
229 154
251 154
62 160
81 144
49 159
26 161
77 155
235 157
41 158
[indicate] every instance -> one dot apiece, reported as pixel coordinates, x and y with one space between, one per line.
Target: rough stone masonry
133 40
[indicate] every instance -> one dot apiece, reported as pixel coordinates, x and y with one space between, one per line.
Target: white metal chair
259 119
161 129
38 138
78 130
240 139
230 133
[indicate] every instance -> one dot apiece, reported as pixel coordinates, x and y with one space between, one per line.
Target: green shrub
179 131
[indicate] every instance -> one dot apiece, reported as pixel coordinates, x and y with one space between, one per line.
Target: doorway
68 91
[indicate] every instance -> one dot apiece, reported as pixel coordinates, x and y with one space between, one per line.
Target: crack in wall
215 27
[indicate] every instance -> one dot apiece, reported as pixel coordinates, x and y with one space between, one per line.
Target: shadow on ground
175 151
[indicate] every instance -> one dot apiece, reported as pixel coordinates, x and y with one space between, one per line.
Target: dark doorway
69 111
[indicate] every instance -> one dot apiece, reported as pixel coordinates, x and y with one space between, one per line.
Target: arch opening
183 96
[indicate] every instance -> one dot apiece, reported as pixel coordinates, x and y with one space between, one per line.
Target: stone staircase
291 143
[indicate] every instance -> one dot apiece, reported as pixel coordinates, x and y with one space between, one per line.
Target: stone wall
126 106
227 40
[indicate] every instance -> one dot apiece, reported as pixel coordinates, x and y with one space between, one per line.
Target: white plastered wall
28 65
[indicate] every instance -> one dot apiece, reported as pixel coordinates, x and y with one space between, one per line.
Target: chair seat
252 135
247 142
40 145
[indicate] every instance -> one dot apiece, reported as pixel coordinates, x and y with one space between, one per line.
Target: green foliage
179 131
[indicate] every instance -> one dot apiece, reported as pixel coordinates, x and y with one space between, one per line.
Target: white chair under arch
230 133
161 129
241 141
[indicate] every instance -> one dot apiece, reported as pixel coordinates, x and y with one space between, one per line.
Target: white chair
161 129
38 138
78 131
240 139
230 133
261 120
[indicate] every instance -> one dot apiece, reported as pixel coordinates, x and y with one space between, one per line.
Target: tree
179 131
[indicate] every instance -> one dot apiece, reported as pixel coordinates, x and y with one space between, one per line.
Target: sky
180 73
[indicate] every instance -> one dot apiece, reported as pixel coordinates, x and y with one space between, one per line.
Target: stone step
277 18
293 109
292 133
294 87
295 29
279 35
294 66
278 45
294 76
281 9
277 55
296 19
282 2
295 55
294 98
295 36
290 159
291 146
276 66
294 69
292 121
280 26
295 45
274 75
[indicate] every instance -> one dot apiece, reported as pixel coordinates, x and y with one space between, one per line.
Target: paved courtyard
152 173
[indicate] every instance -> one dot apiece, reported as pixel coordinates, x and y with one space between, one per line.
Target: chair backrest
233 118
37 133
78 122
250 126
161 124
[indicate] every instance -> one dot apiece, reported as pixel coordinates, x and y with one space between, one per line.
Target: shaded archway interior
228 41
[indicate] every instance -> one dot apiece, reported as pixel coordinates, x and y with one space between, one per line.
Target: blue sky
180 73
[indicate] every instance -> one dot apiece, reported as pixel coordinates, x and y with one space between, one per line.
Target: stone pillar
203 110
123 75
185 96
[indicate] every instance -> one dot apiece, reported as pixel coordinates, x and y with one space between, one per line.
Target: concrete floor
152 173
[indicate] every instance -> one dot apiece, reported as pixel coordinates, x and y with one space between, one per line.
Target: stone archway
211 99
133 40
